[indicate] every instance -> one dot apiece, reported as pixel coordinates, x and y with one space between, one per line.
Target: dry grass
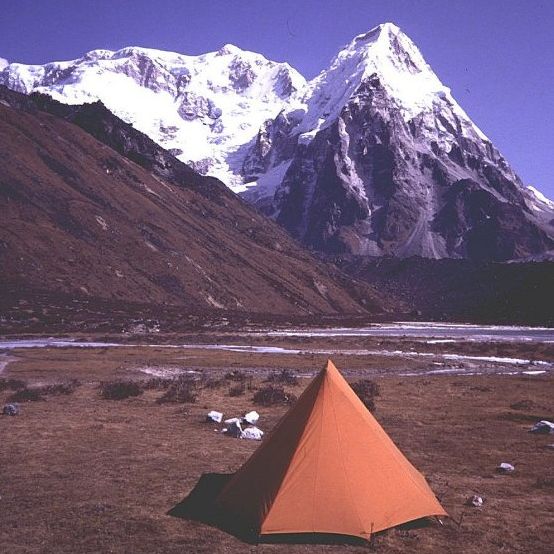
270 395
120 390
83 474
367 390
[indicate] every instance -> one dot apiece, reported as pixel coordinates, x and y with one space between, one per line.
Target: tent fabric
328 467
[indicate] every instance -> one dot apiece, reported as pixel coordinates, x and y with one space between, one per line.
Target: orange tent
328 467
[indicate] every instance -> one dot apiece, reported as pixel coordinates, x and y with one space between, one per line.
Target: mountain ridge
94 208
220 97
378 158
461 290
371 157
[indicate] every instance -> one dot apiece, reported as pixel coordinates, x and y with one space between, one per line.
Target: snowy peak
229 49
202 108
377 158
236 70
386 53
389 42
384 44
381 67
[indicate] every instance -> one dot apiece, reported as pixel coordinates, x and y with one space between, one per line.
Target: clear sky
497 56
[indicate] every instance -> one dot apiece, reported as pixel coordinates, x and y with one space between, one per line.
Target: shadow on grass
200 506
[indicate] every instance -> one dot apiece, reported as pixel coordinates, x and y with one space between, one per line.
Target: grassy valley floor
81 473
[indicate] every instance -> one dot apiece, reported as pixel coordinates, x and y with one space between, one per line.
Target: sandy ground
84 474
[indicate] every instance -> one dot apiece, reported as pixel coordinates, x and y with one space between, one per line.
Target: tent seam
392 448
289 463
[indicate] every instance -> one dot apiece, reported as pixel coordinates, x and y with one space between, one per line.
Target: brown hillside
79 217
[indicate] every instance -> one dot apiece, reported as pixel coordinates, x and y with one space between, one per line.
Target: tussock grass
120 390
271 395
183 390
367 391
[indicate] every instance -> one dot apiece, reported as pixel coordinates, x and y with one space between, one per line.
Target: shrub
69 387
157 383
545 482
237 390
523 405
119 390
27 395
367 391
24 394
235 375
283 377
12 384
212 383
181 390
272 395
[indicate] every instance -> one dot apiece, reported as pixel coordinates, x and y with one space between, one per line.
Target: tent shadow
313 538
421 523
200 506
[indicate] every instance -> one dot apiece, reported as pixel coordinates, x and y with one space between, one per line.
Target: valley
379 350
183 233
456 421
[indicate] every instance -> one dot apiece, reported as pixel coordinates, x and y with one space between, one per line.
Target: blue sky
496 56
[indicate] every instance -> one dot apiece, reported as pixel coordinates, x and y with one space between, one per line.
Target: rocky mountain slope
372 157
461 290
377 158
91 207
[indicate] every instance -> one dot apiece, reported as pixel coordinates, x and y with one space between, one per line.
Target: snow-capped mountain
79 219
372 157
203 109
411 88
375 157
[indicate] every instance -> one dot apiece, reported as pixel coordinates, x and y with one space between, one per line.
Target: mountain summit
377 158
384 52
372 157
